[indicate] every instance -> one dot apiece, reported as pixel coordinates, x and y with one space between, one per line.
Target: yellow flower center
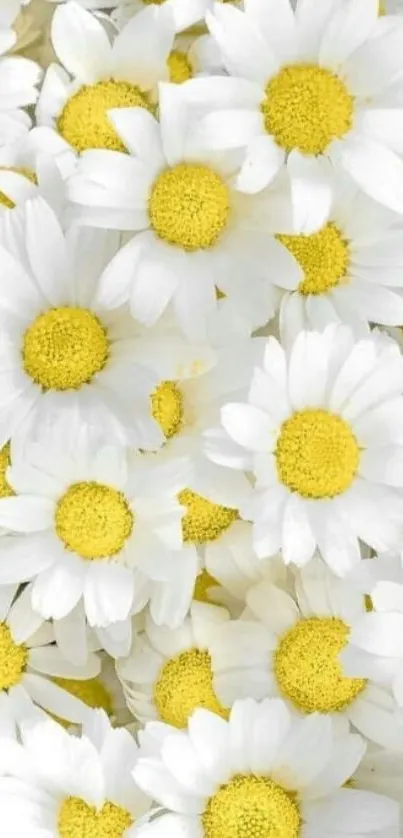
382 9
204 520
307 667
202 587
5 489
13 659
317 454
167 408
5 200
64 348
306 107
250 806
93 520
189 206
79 820
179 66
184 683
323 256
92 692
84 120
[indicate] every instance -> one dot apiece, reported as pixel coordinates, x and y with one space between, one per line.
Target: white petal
311 191
263 160
298 540
80 42
248 426
375 169
347 29
26 514
243 48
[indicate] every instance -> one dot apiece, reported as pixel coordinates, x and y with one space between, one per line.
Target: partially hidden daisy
67 786
319 433
26 172
262 772
32 668
292 647
19 80
199 240
320 96
89 524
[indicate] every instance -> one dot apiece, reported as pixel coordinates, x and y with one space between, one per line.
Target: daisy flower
62 785
168 672
32 668
90 525
199 237
321 435
289 647
262 772
62 349
19 78
320 96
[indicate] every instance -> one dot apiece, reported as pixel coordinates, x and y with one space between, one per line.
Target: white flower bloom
61 785
289 646
321 432
264 772
316 93
32 668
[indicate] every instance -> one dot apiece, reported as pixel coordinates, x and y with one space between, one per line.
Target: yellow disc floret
167 407
184 683
323 256
189 206
317 454
93 520
202 587
5 200
307 667
179 67
204 521
64 348
92 692
13 659
6 490
77 819
306 107
84 120
250 806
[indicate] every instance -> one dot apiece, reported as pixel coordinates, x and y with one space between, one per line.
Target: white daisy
289 647
264 772
19 78
200 238
321 433
319 95
168 672
89 524
61 785
62 350
31 666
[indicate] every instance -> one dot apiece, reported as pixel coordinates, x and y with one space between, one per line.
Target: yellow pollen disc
179 66
167 408
307 667
202 587
204 520
317 454
323 256
92 692
20 170
184 683
64 348
13 659
93 520
5 489
84 120
306 107
189 206
79 820
250 806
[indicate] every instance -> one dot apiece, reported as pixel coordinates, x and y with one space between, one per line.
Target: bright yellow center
184 683
323 257
93 520
5 200
189 206
79 820
202 587
84 120
64 348
13 659
317 454
250 806
5 489
204 520
179 67
307 667
92 692
167 408
306 107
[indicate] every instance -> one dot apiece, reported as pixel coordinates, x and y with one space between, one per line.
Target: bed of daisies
201 419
